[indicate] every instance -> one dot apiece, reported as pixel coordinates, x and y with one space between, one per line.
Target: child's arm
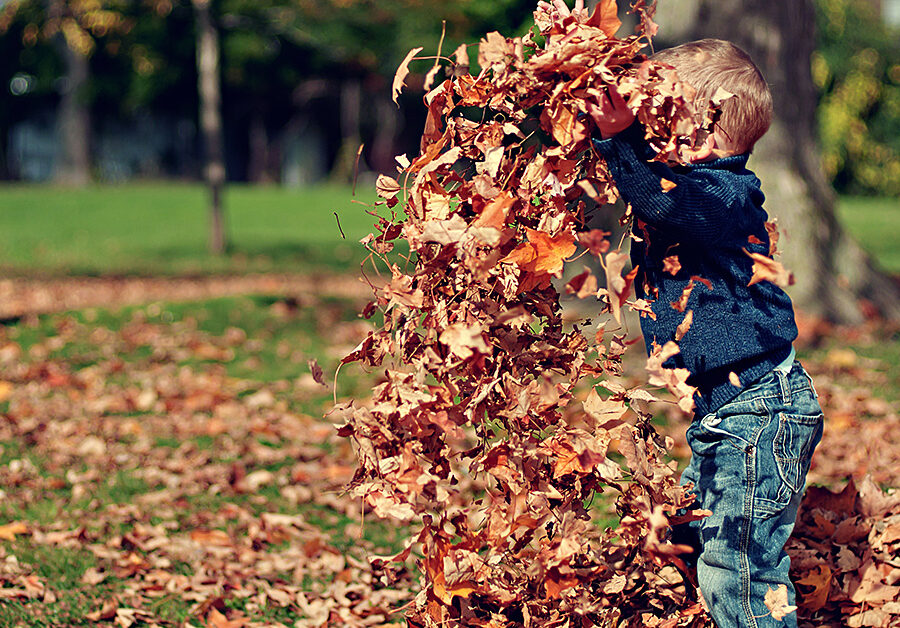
701 205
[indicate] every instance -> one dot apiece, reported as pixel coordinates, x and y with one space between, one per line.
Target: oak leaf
776 600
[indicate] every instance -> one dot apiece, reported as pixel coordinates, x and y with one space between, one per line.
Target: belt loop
785 386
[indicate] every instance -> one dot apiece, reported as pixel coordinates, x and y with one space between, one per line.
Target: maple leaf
776 600
402 73
543 254
464 340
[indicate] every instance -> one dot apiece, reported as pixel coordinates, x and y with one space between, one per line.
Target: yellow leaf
10 530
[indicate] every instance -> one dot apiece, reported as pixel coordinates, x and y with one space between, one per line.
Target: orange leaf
10 530
544 254
672 265
213 538
767 269
667 185
606 17
819 578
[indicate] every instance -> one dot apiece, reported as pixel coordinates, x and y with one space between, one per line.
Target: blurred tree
834 276
209 86
857 68
74 26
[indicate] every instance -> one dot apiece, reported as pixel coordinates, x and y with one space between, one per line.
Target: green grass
875 223
162 229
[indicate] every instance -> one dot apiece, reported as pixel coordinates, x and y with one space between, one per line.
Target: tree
75 27
834 276
210 90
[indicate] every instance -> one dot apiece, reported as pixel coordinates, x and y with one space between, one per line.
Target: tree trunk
346 165
74 117
211 120
834 276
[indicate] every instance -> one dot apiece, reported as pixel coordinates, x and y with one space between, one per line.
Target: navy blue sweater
712 215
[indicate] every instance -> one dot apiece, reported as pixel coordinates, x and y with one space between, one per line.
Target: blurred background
108 91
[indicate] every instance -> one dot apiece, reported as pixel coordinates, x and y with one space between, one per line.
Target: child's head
710 64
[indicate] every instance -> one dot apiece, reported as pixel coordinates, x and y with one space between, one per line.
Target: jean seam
750 460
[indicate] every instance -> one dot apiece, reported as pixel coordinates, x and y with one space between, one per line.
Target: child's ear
704 152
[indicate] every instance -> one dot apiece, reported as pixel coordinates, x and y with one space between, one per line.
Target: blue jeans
748 466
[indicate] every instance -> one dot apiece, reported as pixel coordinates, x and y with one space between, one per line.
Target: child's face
715 147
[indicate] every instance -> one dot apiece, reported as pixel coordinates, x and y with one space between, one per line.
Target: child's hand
612 115
562 10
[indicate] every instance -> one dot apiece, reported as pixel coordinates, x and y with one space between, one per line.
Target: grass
875 223
123 495
162 229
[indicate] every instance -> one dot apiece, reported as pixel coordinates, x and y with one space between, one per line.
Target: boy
757 417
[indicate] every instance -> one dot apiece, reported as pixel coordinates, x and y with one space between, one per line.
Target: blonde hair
710 64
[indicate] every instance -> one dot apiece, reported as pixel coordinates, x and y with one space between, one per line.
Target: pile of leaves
845 557
479 434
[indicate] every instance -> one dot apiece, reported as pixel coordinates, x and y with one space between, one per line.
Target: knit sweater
709 220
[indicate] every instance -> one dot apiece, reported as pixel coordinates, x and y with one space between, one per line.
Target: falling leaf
684 326
776 600
767 269
317 373
386 186
672 265
402 73
605 17
734 379
619 287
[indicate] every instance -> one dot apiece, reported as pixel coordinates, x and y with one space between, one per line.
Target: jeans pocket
795 441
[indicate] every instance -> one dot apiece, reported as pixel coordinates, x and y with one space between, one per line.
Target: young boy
757 417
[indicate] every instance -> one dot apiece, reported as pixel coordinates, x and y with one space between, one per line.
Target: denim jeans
748 466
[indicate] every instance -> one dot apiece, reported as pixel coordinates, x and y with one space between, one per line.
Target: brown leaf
316 371
402 73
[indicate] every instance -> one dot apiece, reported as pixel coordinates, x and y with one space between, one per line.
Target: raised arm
705 204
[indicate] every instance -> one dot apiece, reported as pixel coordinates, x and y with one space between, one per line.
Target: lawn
875 222
170 463
162 229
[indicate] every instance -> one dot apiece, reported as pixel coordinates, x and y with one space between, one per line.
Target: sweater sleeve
702 205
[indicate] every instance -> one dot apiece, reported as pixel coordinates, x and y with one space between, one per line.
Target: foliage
857 69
